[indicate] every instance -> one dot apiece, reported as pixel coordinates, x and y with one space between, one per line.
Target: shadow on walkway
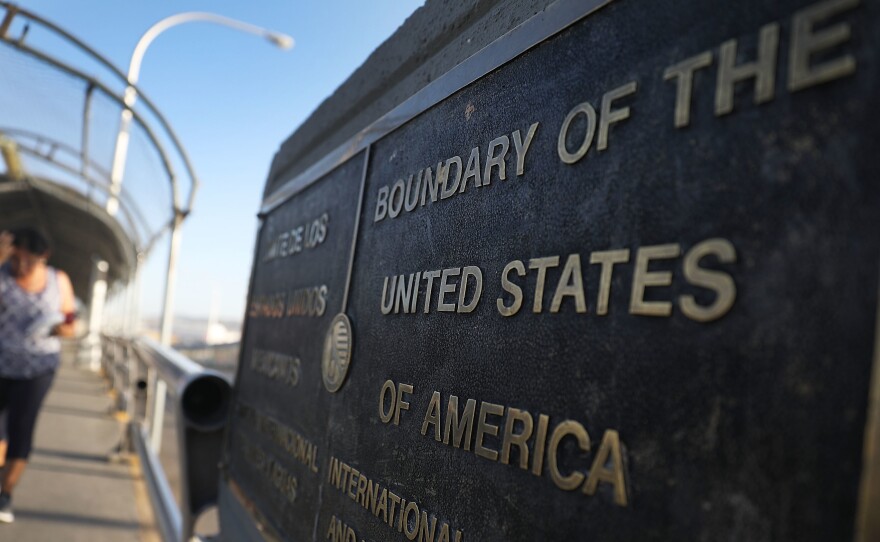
81 520
71 455
82 471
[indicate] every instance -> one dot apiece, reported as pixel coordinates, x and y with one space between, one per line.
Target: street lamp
282 41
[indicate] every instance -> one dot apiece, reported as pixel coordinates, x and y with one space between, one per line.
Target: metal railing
135 368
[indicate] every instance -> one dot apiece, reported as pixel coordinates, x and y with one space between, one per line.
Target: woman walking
36 307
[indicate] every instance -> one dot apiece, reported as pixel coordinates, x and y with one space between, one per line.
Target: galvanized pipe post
90 348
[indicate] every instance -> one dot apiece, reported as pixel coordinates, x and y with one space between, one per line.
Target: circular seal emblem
337 353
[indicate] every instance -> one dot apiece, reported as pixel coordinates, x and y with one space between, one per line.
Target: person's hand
6 247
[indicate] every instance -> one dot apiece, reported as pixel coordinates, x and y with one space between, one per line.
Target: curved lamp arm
282 41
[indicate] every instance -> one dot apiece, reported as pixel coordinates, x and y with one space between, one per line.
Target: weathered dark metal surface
301 265
730 373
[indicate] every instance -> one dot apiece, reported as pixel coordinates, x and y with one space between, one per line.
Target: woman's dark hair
31 240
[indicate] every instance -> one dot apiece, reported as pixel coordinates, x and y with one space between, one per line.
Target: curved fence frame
13 11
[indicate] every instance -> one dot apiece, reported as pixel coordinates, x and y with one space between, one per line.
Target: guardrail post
157 414
89 355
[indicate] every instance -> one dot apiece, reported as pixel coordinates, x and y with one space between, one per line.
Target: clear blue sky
233 99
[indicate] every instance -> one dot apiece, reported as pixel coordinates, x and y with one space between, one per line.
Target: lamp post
282 41
157 398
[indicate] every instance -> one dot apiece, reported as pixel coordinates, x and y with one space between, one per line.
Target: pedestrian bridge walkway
64 175
71 490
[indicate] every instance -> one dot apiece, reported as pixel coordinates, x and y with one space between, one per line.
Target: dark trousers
20 402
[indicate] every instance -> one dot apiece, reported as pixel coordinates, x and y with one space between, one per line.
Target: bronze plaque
622 286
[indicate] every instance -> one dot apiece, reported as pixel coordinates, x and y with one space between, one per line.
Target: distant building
217 333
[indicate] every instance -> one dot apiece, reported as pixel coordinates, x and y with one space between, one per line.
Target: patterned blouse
27 349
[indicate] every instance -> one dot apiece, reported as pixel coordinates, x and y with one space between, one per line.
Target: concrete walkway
70 491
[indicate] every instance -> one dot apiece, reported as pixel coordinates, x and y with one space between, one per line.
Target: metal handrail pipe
174 368
169 519
202 398
204 395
